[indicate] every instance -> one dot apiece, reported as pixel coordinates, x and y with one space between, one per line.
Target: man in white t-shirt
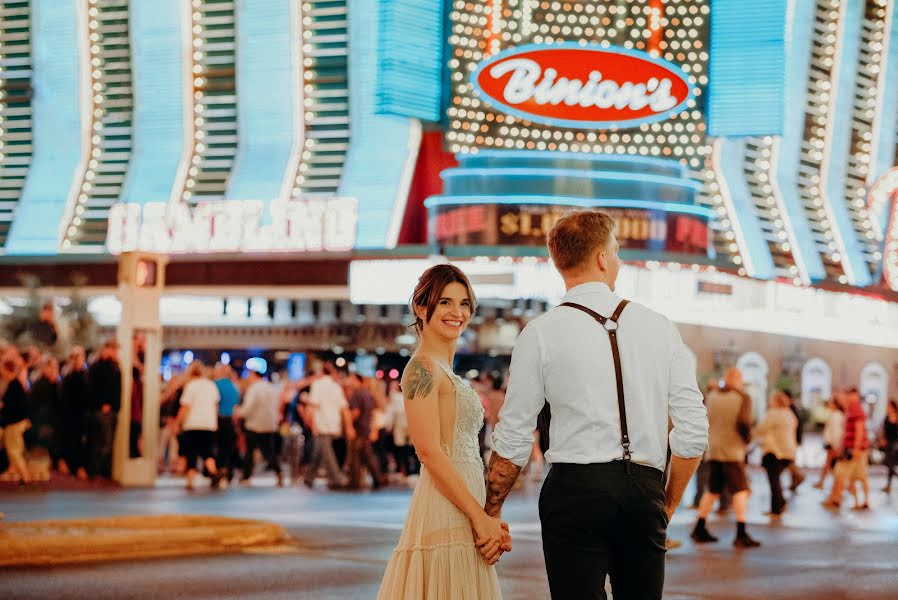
261 414
330 413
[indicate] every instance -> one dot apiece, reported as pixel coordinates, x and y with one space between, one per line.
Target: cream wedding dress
436 558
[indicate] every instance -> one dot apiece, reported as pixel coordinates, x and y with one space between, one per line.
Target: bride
449 544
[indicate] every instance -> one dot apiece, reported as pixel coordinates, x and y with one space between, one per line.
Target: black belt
615 466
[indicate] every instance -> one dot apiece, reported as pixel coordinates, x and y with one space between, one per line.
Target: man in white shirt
329 414
604 507
261 413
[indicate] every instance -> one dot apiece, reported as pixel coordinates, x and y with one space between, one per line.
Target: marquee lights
674 30
234 226
107 104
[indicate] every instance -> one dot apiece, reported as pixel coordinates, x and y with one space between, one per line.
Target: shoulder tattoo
417 380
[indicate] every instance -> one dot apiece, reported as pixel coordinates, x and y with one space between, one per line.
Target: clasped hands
492 538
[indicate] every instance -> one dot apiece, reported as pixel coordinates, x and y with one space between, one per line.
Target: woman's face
452 313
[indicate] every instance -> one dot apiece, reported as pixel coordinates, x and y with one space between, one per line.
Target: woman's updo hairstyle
430 289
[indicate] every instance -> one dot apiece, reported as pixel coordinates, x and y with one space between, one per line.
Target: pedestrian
329 415
73 414
795 473
776 433
44 331
261 414
851 468
833 434
229 398
890 442
729 416
104 379
198 419
42 407
361 452
614 374
14 420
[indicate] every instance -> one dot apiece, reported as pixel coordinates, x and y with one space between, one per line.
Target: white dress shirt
564 356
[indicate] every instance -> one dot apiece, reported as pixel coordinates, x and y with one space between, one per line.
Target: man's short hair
577 236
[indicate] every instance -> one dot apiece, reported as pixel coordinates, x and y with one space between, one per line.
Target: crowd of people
352 430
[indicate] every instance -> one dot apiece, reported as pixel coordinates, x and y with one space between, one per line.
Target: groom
615 376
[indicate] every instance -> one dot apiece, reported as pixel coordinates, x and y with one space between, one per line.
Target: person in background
198 418
778 446
14 420
104 379
329 414
397 424
729 416
169 407
229 398
852 465
43 406
361 453
795 471
833 434
44 332
890 442
73 413
261 414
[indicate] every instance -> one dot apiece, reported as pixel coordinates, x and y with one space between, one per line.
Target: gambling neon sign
582 87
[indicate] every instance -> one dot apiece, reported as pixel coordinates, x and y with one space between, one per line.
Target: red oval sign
583 87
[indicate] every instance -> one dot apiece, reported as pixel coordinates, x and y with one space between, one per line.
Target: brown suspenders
610 325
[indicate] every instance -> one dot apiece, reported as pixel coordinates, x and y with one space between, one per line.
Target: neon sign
234 226
583 87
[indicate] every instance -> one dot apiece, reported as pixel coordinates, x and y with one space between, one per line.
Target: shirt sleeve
525 397
689 436
187 394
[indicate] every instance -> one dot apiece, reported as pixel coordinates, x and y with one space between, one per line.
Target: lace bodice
468 421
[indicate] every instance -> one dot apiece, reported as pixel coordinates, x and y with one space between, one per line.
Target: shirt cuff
517 451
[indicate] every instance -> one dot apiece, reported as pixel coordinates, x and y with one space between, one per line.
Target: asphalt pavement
341 542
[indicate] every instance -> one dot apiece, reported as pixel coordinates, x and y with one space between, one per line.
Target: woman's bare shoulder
421 377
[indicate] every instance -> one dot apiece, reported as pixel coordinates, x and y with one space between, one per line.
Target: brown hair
430 289
577 236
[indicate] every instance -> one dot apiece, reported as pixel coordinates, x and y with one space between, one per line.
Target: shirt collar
590 287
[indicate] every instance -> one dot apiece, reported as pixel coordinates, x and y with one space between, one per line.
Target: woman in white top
833 434
198 419
777 437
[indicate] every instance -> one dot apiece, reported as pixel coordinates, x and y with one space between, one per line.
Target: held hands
492 538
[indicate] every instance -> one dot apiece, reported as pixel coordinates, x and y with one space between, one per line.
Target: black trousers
597 520
775 467
267 443
226 447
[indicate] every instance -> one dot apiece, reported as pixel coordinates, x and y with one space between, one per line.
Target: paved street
343 541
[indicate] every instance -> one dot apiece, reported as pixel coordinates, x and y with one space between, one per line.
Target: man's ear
601 260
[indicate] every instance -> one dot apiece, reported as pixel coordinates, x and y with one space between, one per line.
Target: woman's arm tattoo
417 380
501 477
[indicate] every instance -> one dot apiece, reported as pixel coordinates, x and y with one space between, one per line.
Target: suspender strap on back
610 326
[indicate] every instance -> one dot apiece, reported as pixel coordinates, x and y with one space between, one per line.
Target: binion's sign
327 225
582 87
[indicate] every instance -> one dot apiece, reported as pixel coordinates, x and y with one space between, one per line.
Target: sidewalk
44 543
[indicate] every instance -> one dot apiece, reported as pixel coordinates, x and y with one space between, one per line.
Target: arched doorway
874 388
754 377
816 383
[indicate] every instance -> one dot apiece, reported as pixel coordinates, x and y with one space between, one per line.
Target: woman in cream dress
449 544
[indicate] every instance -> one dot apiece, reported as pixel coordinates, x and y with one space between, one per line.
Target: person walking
14 420
729 416
73 414
852 464
833 435
229 398
261 414
42 409
361 452
890 443
104 379
328 414
198 419
795 473
778 446
448 544
613 374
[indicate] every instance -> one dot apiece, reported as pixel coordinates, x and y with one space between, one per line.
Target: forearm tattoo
417 379
499 480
